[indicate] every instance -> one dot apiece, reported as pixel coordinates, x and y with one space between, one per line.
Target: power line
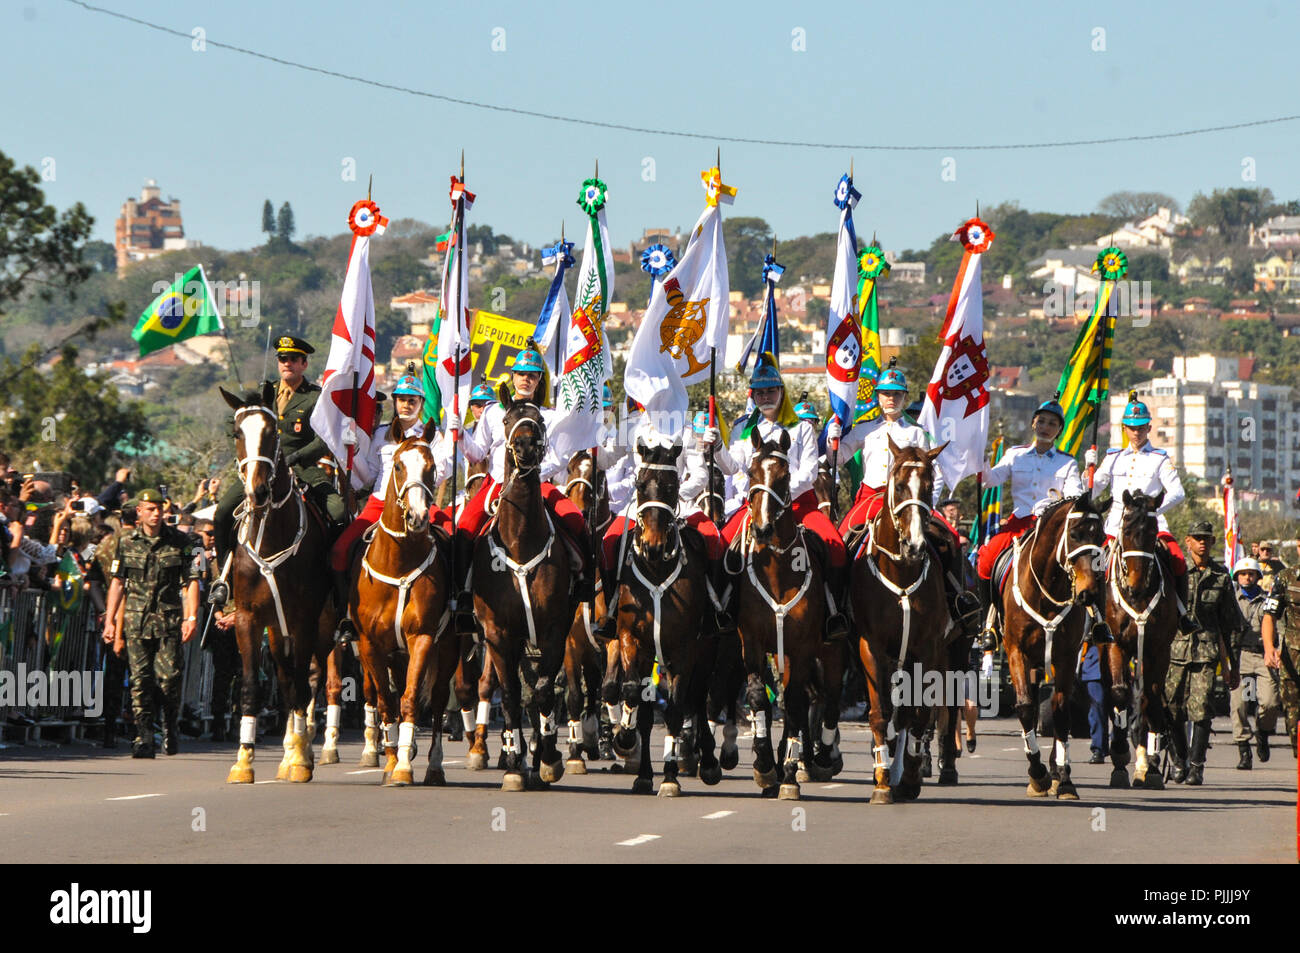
742 140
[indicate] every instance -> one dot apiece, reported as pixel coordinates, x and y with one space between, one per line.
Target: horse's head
769 484
257 444
908 494
525 435
1079 530
1137 535
408 488
583 481
657 487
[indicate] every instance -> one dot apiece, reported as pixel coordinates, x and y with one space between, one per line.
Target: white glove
1090 457
710 436
833 429
453 421
986 666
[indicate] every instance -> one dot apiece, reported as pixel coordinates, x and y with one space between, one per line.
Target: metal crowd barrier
38 635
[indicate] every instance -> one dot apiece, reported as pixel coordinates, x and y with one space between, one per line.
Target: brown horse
782 611
1142 610
661 604
1055 581
523 595
899 603
399 601
280 582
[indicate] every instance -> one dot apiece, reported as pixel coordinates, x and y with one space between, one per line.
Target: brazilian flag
184 310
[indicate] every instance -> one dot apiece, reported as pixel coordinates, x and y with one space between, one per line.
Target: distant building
421 308
148 226
1278 273
1281 231
1204 271
908 272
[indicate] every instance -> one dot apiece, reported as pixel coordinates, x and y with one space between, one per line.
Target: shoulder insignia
113 568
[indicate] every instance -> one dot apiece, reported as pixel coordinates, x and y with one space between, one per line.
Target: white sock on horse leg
628 719
483 714
333 716
372 716
881 753
390 736
575 732
248 730
1031 741
406 741
760 724
299 724
828 736
670 748
1153 744
547 725
614 712
1062 753
467 720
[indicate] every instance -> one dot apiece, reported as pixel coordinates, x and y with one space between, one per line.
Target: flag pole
266 351
234 365
458 225
1096 425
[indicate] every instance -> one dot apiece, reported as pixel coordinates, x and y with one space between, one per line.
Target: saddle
1002 568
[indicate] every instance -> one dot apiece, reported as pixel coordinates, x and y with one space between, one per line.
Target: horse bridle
540 429
1063 558
782 502
401 499
672 551
1119 555
272 462
895 509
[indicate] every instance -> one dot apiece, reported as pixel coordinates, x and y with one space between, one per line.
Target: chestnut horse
1142 610
523 595
279 582
1055 580
661 604
902 612
399 601
782 611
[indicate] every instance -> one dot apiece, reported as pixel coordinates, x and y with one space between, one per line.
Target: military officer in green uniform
156 569
1284 605
1215 638
295 398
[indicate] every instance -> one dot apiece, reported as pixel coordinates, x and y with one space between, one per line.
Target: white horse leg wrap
248 730
547 726
575 732
793 749
882 757
299 724
1062 753
332 716
372 716
390 736
913 746
628 720
467 720
1031 742
760 724
1153 744
828 736
406 742
614 712
484 713
670 748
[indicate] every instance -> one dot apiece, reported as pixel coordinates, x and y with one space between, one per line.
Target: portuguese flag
184 310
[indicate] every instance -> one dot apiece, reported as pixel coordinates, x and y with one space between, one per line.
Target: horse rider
408 409
767 390
697 469
1039 473
1282 645
295 399
1252 599
481 397
488 441
620 473
1141 467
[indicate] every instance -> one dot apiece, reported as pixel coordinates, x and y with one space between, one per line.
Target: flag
767 336
956 409
1085 382
453 338
872 266
553 322
579 411
68 581
990 513
494 343
184 310
843 333
688 317
1232 546
344 416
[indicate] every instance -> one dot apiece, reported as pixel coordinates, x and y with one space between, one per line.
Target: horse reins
1139 618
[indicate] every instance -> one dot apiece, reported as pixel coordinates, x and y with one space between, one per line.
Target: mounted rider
620 472
295 398
1143 468
408 406
775 416
1039 474
697 469
488 441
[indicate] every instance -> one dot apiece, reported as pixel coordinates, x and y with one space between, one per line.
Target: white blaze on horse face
765 515
916 528
251 429
417 500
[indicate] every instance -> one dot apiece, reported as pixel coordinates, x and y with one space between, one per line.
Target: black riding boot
1196 754
989 637
1178 774
219 594
464 619
1247 762
346 631
607 630
171 733
837 623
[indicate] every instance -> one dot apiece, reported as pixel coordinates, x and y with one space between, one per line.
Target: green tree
748 240
268 219
1135 206
284 227
101 256
1230 211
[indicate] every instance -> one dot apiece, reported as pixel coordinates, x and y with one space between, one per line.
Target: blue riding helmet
765 375
700 422
528 361
408 386
1136 413
482 394
804 410
892 380
606 398
1051 407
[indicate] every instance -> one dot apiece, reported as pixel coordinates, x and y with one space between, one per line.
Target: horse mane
1135 516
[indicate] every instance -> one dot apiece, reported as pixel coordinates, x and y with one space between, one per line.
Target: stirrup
345 632
464 617
1101 634
219 594
837 628
989 639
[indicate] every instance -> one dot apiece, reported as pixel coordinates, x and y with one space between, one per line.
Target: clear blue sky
114 103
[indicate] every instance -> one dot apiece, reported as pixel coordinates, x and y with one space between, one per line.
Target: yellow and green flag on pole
184 310
1085 382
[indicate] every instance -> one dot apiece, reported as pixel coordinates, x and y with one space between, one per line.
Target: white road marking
272 781
1011 749
827 787
132 797
716 814
365 771
637 841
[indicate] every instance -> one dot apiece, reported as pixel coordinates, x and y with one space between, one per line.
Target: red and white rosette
365 220
975 236
458 191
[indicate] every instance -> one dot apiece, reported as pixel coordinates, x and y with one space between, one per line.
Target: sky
113 103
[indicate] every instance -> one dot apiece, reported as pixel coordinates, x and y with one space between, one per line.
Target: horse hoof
670 789
802 775
435 778
1155 781
1056 786
729 758
642 786
837 764
240 774
400 778
615 767
688 769
882 796
711 775
282 772
788 792
535 782
625 750
947 776
591 752
819 772
329 755
512 782
551 772
575 766
476 761
1066 791
369 759
771 792
299 773
765 779
1038 787
1119 778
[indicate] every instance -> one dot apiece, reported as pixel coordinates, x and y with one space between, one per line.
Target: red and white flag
344 416
956 410
453 335
1232 547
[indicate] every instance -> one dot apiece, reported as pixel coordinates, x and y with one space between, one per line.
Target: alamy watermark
1128 299
77 906
920 688
241 298
40 689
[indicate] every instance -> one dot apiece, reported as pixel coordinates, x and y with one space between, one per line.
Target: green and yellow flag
1085 382
184 310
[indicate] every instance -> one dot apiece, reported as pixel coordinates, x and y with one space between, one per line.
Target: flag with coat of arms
453 355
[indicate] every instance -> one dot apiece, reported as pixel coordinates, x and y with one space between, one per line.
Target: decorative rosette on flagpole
846 196
872 263
593 195
658 260
559 253
771 270
975 236
1111 264
365 220
714 188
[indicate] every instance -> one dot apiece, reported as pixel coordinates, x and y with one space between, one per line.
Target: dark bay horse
523 595
902 613
782 611
661 604
399 601
279 581
1142 610
1056 577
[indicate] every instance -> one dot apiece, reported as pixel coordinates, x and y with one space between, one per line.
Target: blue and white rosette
846 196
658 260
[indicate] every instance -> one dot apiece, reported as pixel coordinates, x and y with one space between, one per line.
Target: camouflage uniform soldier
156 570
1285 605
1193 657
1254 602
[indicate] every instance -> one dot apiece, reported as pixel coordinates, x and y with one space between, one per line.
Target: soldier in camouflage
156 570
1254 602
1217 626
1284 604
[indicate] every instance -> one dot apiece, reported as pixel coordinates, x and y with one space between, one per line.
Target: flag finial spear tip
850 167
462 166
597 175
561 231
370 187
977 208
718 159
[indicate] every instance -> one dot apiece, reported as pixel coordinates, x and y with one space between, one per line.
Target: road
78 803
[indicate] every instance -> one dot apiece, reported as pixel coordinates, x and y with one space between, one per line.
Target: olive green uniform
1252 665
154 573
1286 609
1193 657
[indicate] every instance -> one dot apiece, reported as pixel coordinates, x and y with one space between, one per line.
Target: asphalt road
79 803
